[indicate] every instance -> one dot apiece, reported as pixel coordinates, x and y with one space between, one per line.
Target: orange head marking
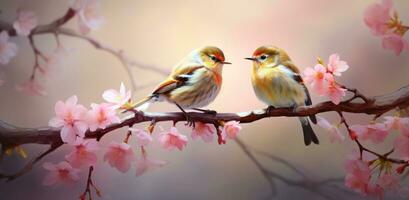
265 56
212 56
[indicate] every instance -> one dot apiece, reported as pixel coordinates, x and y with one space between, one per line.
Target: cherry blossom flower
172 139
83 153
143 138
119 156
62 172
230 129
334 91
7 49
401 146
335 134
388 181
376 132
71 118
317 77
376 17
395 42
89 17
145 164
205 131
25 22
31 87
117 99
52 61
336 66
101 115
397 123
358 175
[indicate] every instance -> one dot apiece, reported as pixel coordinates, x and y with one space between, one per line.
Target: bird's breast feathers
276 86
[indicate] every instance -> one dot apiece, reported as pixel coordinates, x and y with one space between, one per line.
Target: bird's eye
263 57
213 58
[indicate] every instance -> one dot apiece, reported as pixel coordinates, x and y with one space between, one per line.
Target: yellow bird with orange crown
277 82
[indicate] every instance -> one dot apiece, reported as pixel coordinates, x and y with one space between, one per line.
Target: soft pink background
161 33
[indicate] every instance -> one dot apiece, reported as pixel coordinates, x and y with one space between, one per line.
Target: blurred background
160 33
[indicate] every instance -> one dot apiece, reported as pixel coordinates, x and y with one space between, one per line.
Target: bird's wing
298 78
307 101
290 65
178 78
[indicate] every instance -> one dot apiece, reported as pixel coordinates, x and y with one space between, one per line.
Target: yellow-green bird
278 83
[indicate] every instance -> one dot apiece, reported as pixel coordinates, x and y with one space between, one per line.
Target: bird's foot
269 109
189 121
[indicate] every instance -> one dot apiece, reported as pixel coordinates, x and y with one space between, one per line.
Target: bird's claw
189 121
269 109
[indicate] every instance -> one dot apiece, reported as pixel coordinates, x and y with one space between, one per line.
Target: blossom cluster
89 18
322 78
74 120
389 28
360 169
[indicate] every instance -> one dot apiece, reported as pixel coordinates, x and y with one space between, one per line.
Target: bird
193 83
277 82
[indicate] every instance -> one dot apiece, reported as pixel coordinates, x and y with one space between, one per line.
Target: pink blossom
358 175
335 134
25 22
395 43
231 129
205 131
317 77
117 99
336 66
397 123
101 116
89 17
143 138
83 153
52 61
172 139
376 132
31 87
7 49
388 181
145 164
62 172
376 17
401 146
71 118
120 156
334 91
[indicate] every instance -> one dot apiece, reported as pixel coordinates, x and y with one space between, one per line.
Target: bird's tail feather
144 103
309 135
313 119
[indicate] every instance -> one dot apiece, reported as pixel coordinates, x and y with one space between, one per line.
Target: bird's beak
253 59
228 63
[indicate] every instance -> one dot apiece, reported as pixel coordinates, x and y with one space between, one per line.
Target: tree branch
11 136
56 28
376 106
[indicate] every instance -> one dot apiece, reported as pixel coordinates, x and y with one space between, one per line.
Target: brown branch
56 28
378 105
90 184
304 183
13 136
31 163
263 170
